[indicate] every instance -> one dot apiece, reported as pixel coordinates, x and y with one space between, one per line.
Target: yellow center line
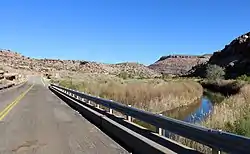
11 105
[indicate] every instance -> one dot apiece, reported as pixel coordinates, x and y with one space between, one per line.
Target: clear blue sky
113 31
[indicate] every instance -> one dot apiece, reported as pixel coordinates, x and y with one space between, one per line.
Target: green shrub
244 78
214 72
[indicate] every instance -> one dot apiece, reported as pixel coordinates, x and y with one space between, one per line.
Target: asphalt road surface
35 121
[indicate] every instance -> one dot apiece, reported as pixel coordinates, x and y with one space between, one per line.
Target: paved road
35 121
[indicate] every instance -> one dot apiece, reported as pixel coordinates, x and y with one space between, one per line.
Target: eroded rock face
235 57
178 64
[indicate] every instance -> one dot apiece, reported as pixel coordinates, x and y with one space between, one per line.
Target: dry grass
230 110
157 95
153 95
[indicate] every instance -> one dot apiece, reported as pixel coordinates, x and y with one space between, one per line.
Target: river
193 113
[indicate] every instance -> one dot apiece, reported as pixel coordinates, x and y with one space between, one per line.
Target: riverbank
214 97
154 95
230 110
224 87
231 115
232 103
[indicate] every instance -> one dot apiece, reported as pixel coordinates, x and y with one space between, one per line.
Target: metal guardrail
217 140
6 86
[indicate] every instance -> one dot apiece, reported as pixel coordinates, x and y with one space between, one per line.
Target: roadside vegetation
231 111
231 98
244 78
232 114
154 95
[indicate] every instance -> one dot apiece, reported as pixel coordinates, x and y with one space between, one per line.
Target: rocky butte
178 64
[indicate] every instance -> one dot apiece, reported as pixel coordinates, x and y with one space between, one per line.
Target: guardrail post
98 106
110 111
129 118
160 130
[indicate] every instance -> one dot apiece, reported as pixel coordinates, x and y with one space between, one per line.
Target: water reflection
201 113
193 113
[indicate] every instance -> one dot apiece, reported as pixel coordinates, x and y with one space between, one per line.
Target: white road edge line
43 82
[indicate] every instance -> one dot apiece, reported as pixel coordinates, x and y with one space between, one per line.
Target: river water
193 113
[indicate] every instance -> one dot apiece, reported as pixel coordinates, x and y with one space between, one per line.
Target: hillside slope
15 60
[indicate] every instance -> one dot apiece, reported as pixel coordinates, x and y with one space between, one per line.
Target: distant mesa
178 64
